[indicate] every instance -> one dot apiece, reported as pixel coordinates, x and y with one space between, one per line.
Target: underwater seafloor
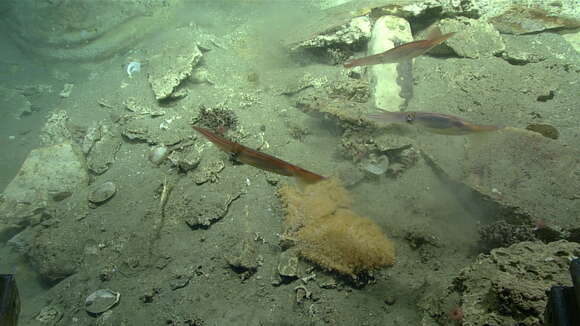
111 195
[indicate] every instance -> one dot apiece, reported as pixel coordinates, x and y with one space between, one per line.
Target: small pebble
390 300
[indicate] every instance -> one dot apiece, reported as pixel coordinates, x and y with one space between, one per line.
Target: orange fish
402 52
437 123
258 159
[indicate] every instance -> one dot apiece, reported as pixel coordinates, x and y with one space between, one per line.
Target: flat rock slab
49 173
518 169
332 19
172 64
474 38
523 19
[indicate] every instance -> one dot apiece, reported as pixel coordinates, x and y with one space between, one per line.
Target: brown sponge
327 232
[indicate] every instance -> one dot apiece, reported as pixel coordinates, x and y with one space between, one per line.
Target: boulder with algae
327 232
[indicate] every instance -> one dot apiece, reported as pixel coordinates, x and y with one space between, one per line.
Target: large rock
506 287
522 19
522 171
173 63
336 17
351 33
474 38
48 173
386 90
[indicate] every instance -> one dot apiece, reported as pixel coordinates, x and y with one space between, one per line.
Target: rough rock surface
55 130
358 29
101 144
473 38
49 173
173 64
528 161
508 287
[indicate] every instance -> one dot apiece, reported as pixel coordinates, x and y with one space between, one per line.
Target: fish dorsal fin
434 33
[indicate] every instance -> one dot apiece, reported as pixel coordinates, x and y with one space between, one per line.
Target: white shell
158 154
101 193
101 301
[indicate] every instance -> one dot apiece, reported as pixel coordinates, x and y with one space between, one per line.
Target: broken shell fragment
102 192
101 301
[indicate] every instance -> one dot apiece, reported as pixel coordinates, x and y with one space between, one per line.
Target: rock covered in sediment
511 283
519 170
523 19
172 64
55 130
48 173
473 39
14 102
102 192
352 32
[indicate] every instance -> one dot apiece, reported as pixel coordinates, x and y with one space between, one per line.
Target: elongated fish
402 52
437 123
258 159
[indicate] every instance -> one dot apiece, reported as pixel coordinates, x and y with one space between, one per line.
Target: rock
98 194
49 315
14 102
474 38
288 264
54 258
338 17
386 89
521 171
103 145
511 283
524 49
503 234
66 90
48 173
243 257
204 212
101 301
167 130
55 130
208 172
158 154
353 32
520 19
185 160
573 39
173 64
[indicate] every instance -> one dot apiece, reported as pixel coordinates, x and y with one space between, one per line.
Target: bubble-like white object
158 154
133 67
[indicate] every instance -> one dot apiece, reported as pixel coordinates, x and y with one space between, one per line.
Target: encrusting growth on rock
327 232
